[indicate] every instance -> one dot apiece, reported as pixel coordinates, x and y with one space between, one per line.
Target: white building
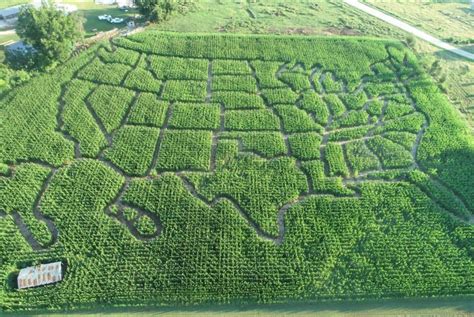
40 275
105 1
120 3
66 8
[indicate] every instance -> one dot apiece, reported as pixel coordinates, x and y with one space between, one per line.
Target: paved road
7 32
410 29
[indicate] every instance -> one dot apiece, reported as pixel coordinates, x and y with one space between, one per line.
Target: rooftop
40 275
10 11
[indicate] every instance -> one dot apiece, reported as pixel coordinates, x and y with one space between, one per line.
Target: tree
10 78
146 6
156 10
50 31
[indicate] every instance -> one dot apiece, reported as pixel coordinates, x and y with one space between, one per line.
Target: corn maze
169 169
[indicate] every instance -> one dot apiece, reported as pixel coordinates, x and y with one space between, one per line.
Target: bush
10 78
50 32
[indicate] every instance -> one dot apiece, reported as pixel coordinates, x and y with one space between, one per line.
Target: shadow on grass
449 56
469 48
387 307
466 10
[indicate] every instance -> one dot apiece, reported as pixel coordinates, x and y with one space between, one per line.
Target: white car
105 17
116 20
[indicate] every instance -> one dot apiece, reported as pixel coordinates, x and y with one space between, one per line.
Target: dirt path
410 29
116 207
435 179
280 219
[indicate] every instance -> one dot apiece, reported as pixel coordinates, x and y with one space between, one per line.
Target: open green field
444 19
10 3
330 17
457 306
179 169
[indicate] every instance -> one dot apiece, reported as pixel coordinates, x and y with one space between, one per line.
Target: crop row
280 95
185 90
142 79
314 104
230 67
305 146
133 148
296 120
321 183
195 116
353 118
29 129
296 80
98 72
234 83
265 72
267 144
334 156
111 103
330 84
251 120
392 155
148 110
18 195
185 149
119 55
395 110
178 68
238 100
259 187
79 121
360 158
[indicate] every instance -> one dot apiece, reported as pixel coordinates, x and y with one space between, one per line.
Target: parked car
105 17
116 20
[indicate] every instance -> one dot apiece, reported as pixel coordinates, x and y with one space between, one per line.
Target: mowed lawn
277 17
453 19
456 306
91 12
10 3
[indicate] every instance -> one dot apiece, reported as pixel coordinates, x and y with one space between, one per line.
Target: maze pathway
148 115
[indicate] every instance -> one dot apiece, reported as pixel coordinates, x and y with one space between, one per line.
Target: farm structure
42 274
10 12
